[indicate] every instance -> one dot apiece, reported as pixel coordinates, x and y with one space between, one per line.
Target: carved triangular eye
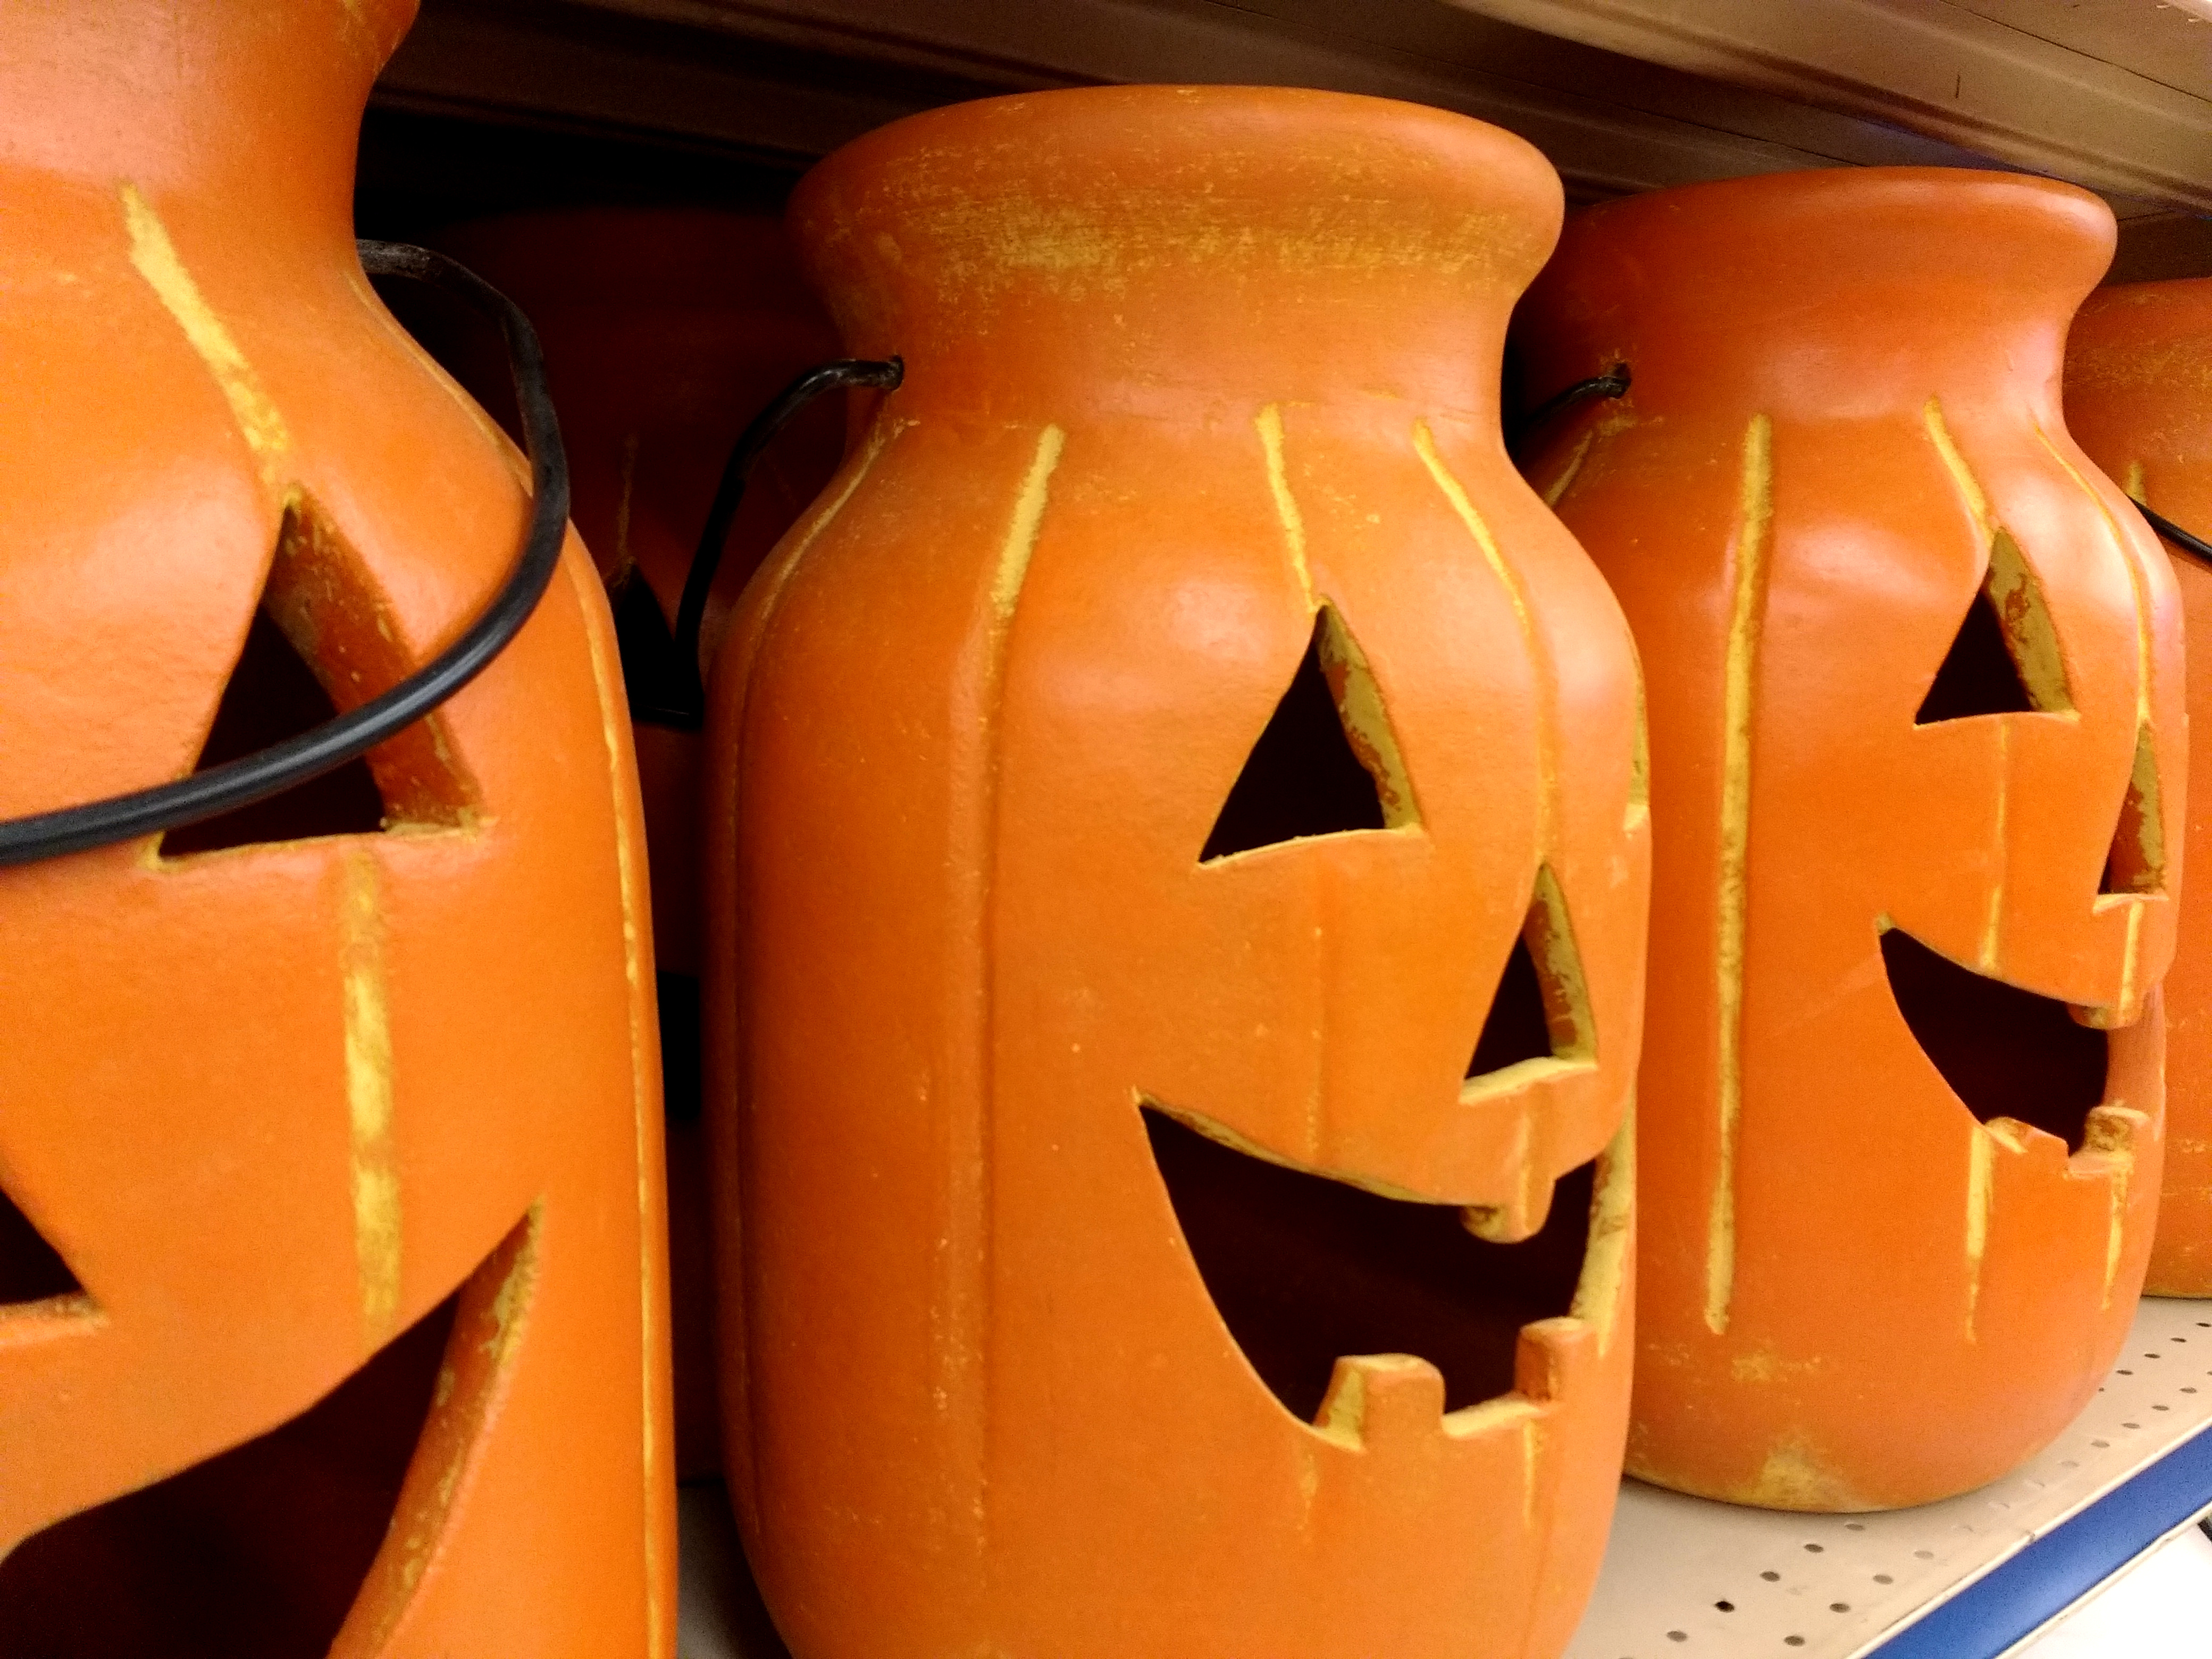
1327 762
2004 659
31 1269
320 641
1540 1010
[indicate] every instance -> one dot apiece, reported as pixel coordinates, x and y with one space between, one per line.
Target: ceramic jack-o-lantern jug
1177 877
331 1311
2139 399
666 331
1916 764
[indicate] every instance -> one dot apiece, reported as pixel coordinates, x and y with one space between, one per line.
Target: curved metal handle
729 493
255 777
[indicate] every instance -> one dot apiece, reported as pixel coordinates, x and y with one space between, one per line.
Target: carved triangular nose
30 1268
1327 762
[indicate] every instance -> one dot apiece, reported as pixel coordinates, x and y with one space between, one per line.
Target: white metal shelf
1684 1577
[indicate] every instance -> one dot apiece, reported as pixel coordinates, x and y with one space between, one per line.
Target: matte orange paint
1188 368
273 1104
666 331
1845 423
2139 398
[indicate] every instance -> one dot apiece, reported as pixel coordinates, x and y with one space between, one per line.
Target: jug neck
211 103
1838 294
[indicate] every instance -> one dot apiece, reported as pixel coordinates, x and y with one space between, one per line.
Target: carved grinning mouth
1304 1269
2004 1051
262 1550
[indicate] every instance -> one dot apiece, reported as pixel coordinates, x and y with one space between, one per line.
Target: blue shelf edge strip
2018 1598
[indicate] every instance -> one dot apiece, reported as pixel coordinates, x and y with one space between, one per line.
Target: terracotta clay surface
2139 398
1176 753
666 331
330 1246
1918 763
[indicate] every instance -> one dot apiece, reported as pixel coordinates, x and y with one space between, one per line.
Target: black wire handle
1613 384
2196 549
729 493
256 777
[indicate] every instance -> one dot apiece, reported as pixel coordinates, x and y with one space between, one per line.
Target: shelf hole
1883 1578
2122 1374
1772 1578
2128 1426
1793 1641
2158 1408
1678 1636
1839 1606
1725 1606
2005 1052
2149 1355
2187 1389
1854 1526
1923 1555
2102 1445
1814 1549
2067 1463
1325 763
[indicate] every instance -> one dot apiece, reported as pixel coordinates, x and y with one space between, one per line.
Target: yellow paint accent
645 1093
1993 919
1639 774
1980 1150
2111 1132
1754 529
375 1173
1794 1478
1424 444
1969 487
154 257
2135 576
1269 425
1532 1450
1601 1289
1559 486
1015 552
1366 722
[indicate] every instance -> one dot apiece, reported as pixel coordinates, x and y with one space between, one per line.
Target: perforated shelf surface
1684 1577
1687 1577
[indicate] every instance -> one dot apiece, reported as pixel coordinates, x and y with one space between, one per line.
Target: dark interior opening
1303 1268
1303 777
652 677
1979 675
31 1269
273 694
257 1554
683 1028
1517 1028
2005 1052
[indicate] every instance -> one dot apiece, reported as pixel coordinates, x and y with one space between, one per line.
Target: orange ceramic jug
666 331
1177 875
1916 770
331 1312
2139 398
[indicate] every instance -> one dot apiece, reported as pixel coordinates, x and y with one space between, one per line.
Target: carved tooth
1378 1399
1553 1356
1521 1217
